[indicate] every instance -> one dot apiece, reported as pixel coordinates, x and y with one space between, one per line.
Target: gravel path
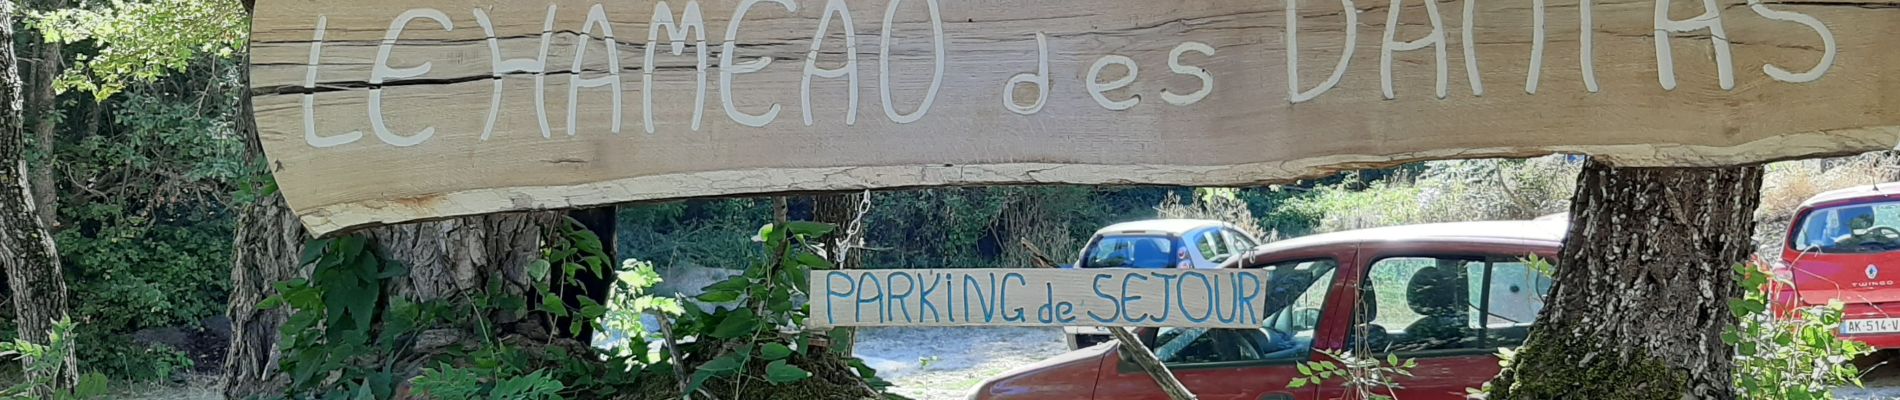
946 363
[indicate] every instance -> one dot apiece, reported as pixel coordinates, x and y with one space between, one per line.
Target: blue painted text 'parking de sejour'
1038 297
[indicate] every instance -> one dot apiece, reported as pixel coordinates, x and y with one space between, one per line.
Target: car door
1449 313
1235 364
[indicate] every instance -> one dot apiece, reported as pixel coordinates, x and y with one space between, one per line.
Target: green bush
1796 356
126 360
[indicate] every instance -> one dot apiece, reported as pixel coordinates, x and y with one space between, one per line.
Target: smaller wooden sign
1039 297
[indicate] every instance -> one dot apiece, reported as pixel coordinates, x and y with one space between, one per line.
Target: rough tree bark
26 248
1642 288
448 260
265 251
45 108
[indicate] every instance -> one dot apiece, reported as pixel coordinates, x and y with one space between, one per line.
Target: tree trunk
1642 288
841 210
26 248
45 116
268 243
451 260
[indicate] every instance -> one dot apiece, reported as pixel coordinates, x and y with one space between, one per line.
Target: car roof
1167 226
1864 191
1548 231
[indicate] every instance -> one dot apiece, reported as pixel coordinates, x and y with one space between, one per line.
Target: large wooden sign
1227 298
383 111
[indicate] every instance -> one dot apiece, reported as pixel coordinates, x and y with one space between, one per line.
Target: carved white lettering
310 99
1097 88
1537 47
382 72
1586 52
537 66
1711 19
1470 43
1040 80
1436 39
1293 92
727 68
849 71
1174 64
690 22
1827 44
596 17
884 64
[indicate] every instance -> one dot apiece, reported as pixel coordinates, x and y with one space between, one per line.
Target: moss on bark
1562 367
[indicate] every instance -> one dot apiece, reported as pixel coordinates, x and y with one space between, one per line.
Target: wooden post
1139 354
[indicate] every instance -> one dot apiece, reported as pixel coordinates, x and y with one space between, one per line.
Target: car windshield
1293 306
1130 252
1856 228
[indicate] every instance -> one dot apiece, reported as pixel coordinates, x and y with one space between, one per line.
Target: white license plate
1880 325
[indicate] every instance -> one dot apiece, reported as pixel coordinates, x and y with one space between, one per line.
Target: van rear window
1855 228
1130 252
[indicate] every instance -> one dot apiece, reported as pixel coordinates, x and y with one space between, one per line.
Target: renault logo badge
1872 271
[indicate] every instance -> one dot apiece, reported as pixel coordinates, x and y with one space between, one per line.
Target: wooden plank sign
1225 298
384 111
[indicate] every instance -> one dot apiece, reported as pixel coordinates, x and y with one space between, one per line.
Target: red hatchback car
1845 244
1449 295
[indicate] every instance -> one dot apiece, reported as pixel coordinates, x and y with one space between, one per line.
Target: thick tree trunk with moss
26 247
1642 288
451 260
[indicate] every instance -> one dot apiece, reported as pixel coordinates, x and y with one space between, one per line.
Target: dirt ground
947 363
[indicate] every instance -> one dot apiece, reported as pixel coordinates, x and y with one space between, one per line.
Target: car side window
1212 245
1415 304
1516 296
1238 241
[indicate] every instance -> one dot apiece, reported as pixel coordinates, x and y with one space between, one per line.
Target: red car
1449 295
1845 245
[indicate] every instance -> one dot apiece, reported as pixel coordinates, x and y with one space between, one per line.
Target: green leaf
1392 359
770 234
351 246
724 363
1297 383
812 261
737 324
735 283
779 373
312 251
699 379
538 270
774 351
552 305
1304 371
810 229
592 311
719 296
